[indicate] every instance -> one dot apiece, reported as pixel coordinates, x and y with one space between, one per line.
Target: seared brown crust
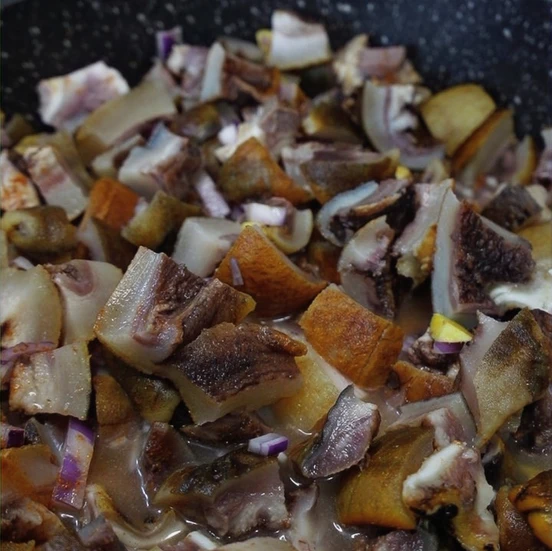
329 176
227 359
234 427
421 384
190 303
252 172
511 208
206 479
113 405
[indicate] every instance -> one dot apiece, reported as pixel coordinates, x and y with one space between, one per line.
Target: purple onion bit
214 204
165 40
237 277
270 215
10 436
71 482
268 444
447 347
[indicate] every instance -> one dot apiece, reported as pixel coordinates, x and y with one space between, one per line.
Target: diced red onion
447 347
265 214
268 444
165 41
8 356
214 203
71 482
237 278
228 135
10 436
23 263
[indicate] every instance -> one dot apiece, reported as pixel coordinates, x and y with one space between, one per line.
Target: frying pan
503 44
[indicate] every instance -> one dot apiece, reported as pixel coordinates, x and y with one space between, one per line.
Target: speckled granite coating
504 44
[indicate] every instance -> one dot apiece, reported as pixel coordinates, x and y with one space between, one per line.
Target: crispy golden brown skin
421 384
373 495
362 345
252 172
277 285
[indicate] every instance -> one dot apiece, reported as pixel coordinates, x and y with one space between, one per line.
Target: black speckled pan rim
505 45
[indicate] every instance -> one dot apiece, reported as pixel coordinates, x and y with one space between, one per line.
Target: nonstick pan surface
503 44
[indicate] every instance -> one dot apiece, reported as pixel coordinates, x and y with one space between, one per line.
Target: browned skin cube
111 202
362 345
373 495
252 172
533 499
113 405
515 532
277 284
420 384
325 256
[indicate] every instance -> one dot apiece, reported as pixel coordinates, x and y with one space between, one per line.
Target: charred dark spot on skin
7 330
484 258
512 208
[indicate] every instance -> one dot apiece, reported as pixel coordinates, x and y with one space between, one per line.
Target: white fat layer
81 310
386 116
535 294
55 181
488 330
434 475
202 542
67 100
442 286
57 381
137 169
103 165
546 134
212 86
407 246
203 242
346 64
540 195
295 43
433 472
117 321
342 201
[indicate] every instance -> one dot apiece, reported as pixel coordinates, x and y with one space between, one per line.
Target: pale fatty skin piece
84 287
56 381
